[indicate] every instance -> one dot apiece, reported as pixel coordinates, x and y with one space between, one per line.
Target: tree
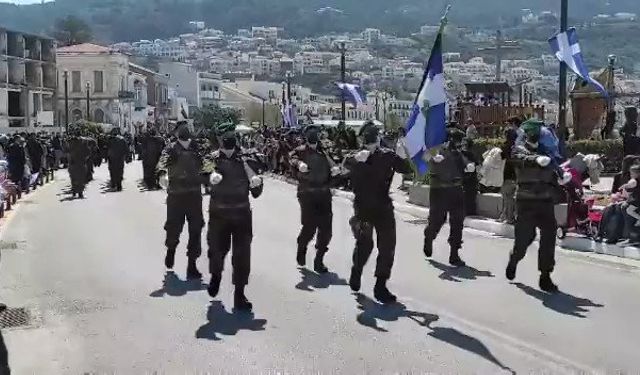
72 30
213 115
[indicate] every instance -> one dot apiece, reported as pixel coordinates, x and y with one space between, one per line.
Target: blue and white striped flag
567 49
426 127
352 93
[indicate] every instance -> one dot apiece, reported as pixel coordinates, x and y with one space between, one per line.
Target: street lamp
66 100
88 85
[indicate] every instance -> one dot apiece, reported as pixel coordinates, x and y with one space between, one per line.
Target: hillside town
132 84
209 202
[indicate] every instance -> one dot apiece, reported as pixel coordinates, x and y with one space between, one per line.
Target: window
36 104
98 83
76 81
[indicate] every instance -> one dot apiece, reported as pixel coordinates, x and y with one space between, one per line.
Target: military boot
240 301
318 263
355 279
192 270
454 258
546 284
301 256
170 258
214 286
382 294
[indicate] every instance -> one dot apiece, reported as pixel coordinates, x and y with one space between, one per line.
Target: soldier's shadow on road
221 322
561 302
311 281
457 274
173 286
372 312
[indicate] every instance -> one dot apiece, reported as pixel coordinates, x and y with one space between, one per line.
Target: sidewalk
572 242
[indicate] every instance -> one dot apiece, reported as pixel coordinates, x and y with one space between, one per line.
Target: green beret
532 126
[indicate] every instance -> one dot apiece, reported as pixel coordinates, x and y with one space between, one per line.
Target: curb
574 243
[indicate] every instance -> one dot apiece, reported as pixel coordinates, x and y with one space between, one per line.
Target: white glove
303 167
163 181
566 177
255 182
362 156
215 178
401 149
543 161
438 158
335 171
470 168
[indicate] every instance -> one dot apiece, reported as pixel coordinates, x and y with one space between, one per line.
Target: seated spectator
623 176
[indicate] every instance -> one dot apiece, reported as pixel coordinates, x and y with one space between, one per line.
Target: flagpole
562 92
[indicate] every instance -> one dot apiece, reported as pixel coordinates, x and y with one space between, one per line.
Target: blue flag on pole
566 48
426 127
352 93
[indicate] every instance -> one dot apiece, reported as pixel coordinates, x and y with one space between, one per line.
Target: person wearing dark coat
151 149
117 151
79 156
315 171
36 153
17 158
183 165
230 217
371 172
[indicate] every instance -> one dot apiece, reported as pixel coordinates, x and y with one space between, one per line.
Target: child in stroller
581 216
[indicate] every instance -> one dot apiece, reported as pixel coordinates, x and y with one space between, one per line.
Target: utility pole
66 101
498 56
88 117
562 92
343 68
284 103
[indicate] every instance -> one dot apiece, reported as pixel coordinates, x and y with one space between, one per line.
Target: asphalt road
91 273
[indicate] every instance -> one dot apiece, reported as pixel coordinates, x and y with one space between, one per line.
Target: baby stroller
581 217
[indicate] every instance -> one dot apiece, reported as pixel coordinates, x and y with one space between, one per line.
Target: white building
199 88
27 81
263 66
270 34
105 74
371 36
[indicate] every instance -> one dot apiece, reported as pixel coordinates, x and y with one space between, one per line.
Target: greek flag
426 127
567 49
352 93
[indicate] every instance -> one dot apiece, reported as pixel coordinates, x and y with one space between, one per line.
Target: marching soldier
117 151
78 158
446 195
536 180
230 218
181 163
315 171
152 146
371 172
